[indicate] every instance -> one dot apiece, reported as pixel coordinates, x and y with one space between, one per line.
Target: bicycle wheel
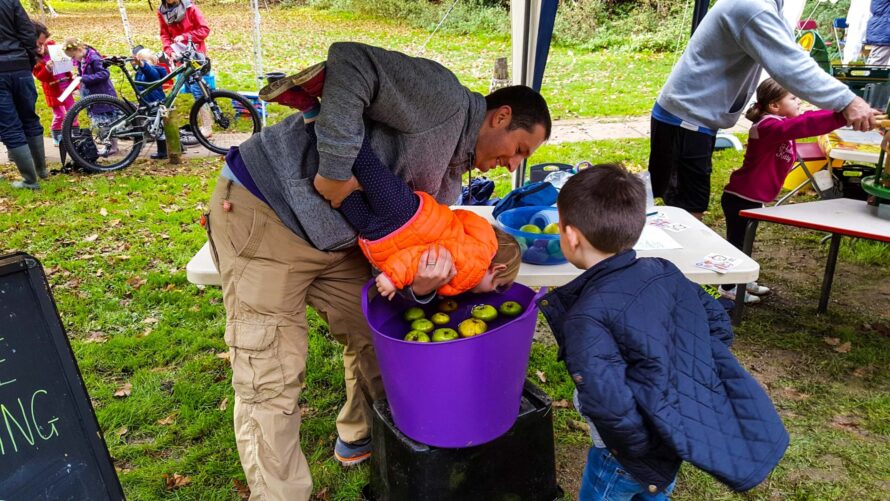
100 133
229 119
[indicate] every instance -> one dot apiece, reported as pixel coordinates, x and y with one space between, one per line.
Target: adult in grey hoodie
280 246
714 80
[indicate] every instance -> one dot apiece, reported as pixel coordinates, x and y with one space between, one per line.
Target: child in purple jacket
768 160
94 79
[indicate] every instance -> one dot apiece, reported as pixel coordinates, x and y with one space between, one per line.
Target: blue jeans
18 96
605 480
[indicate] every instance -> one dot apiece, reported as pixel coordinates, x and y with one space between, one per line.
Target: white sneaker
755 288
730 294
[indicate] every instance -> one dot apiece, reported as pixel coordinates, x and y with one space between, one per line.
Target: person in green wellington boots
20 128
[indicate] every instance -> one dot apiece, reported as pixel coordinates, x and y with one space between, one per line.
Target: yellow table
845 145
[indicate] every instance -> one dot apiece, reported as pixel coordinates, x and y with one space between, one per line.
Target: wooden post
171 132
501 76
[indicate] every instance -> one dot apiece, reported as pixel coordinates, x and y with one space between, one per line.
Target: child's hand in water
385 286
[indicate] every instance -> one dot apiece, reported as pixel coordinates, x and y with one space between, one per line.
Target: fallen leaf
579 425
541 376
860 372
792 394
242 490
135 282
91 238
195 308
114 222
846 422
322 495
169 287
176 481
831 341
844 348
96 337
124 390
103 212
150 320
223 404
223 355
99 272
167 420
306 411
121 431
562 404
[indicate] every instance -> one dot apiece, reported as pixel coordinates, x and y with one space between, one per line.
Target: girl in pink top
769 158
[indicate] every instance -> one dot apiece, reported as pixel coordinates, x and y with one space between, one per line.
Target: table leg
829 272
747 248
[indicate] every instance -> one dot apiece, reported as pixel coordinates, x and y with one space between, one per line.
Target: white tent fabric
857 19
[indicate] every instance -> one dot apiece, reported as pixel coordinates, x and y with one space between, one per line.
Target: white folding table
840 217
697 240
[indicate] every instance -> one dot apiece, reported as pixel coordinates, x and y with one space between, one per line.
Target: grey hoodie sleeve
406 94
767 40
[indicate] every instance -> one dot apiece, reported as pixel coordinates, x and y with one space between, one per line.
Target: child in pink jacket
768 160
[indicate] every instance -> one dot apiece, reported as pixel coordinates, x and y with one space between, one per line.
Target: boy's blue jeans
605 480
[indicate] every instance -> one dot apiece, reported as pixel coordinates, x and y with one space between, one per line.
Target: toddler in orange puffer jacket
396 225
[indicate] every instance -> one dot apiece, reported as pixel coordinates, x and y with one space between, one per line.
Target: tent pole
258 54
698 13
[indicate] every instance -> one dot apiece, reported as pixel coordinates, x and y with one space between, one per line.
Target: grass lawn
115 248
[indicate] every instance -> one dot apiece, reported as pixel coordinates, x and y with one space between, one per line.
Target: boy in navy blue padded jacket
649 352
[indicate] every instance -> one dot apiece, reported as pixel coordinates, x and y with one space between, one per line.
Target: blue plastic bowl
537 248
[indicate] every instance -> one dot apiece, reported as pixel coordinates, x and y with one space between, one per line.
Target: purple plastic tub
458 393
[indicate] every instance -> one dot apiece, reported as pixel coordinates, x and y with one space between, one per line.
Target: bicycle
108 124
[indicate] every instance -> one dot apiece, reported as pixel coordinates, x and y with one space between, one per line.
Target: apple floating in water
444 334
484 312
440 318
510 308
471 327
413 313
417 337
422 324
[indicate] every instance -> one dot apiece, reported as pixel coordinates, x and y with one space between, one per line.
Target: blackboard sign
50 444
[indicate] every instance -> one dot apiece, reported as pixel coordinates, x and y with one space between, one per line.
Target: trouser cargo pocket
257 374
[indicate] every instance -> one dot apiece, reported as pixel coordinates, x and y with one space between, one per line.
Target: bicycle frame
182 73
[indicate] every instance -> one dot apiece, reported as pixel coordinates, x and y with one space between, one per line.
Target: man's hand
860 115
435 269
385 286
335 191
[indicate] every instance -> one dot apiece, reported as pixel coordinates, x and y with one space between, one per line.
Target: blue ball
554 250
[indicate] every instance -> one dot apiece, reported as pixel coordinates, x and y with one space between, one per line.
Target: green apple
552 229
484 312
444 334
422 324
471 327
417 337
440 318
530 228
448 306
510 308
413 313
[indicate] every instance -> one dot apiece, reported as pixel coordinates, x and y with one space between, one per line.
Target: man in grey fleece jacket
714 80
280 246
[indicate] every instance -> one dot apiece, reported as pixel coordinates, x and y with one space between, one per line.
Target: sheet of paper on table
853 136
654 238
61 62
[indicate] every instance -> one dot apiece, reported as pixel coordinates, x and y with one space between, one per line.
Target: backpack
539 193
82 141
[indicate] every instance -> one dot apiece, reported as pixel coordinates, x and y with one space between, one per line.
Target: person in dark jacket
20 128
649 352
149 70
877 33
